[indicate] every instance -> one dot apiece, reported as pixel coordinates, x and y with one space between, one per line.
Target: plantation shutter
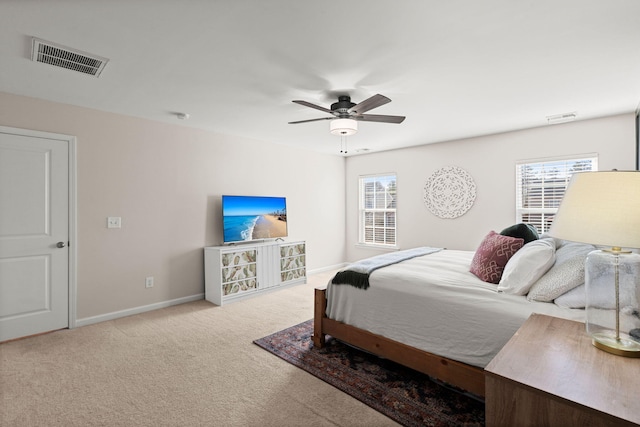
540 187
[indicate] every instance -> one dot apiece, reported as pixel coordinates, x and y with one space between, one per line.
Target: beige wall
491 162
165 181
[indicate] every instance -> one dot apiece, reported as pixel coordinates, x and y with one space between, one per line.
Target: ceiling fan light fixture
343 127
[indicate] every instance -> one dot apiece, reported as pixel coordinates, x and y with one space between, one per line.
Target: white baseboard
328 268
142 309
136 310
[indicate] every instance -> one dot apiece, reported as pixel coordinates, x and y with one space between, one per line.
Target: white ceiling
454 68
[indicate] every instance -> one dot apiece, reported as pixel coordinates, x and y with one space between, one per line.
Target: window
377 211
540 187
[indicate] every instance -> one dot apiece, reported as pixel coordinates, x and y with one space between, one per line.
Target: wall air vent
562 118
64 57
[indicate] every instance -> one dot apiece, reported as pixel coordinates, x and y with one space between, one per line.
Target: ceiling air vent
64 57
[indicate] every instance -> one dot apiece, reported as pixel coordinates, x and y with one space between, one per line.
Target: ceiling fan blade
379 118
369 104
311 120
317 107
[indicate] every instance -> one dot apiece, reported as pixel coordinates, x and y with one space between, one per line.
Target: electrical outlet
114 222
148 282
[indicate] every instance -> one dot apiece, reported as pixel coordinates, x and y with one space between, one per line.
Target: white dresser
237 271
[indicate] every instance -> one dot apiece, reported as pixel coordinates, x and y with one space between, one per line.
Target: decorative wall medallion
449 192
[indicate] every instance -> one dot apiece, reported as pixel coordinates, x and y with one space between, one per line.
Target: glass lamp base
612 283
618 346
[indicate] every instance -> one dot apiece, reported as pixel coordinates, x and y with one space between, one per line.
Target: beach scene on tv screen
251 218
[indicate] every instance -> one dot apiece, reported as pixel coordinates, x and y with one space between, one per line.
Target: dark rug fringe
353 278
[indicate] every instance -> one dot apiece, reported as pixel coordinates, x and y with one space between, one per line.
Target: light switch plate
114 222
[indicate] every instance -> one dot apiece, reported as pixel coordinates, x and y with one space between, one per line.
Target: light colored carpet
189 365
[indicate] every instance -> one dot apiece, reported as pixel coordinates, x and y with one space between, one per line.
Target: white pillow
602 293
559 279
562 278
575 298
527 265
570 250
559 242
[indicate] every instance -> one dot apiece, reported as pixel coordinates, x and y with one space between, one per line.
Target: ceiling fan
347 112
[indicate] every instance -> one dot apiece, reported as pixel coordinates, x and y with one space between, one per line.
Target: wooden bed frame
458 374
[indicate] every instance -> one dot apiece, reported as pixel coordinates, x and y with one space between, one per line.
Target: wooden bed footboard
458 374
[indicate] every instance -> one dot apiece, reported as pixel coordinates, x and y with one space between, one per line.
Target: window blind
540 187
378 199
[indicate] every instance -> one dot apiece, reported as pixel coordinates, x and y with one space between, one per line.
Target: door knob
61 244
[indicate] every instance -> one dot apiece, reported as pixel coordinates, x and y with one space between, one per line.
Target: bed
431 313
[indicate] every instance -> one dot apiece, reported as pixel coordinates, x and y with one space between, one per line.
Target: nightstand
549 374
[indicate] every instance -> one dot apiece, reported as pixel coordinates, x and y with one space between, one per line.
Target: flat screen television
247 218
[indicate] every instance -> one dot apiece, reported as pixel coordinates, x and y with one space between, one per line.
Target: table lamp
603 209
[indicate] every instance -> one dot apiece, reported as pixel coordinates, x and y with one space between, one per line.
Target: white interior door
34 234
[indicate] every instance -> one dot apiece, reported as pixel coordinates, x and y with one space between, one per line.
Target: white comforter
435 304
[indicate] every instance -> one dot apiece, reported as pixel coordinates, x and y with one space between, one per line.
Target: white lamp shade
601 208
343 127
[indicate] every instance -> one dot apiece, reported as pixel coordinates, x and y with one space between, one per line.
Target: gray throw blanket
357 274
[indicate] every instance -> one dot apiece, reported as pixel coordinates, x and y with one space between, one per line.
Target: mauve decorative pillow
492 255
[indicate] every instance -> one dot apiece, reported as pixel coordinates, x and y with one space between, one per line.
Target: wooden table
549 374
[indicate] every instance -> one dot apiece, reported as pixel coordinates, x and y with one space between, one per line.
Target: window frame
373 242
547 185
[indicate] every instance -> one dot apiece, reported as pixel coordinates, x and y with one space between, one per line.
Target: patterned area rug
404 395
